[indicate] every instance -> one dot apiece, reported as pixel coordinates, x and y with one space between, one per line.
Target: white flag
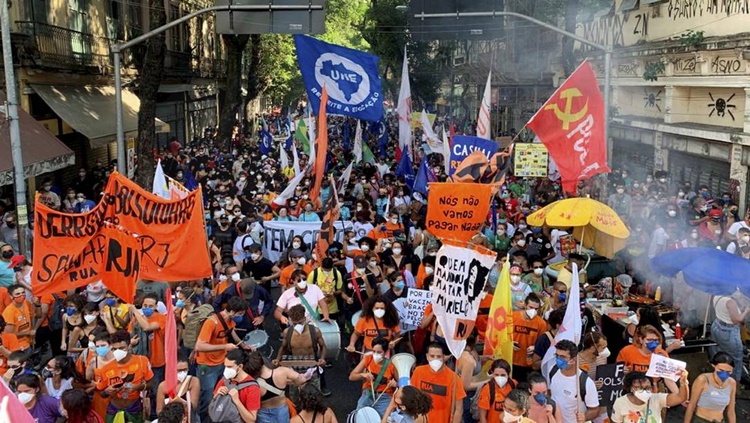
283 157
483 120
285 195
344 180
160 187
571 326
295 156
311 134
358 143
446 152
404 108
436 146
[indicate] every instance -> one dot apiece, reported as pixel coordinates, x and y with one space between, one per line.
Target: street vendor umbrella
594 224
706 269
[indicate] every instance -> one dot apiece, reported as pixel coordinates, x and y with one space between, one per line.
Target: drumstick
372 386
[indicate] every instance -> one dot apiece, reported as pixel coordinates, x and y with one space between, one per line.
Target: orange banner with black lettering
131 234
457 210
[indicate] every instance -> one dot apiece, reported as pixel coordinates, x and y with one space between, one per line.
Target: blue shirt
309 217
7 276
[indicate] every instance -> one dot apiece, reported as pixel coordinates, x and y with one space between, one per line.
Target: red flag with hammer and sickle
571 126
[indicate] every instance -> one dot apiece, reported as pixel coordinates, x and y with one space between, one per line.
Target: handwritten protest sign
611 376
530 160
460 276
665 367
278 235
402 308
416 300
457 210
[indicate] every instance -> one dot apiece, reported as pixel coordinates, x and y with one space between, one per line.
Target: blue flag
383 137
406 170
350 76
463 145
347 137
425 175
266 142
190 182
289 141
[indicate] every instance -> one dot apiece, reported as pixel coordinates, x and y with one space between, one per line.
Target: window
39 10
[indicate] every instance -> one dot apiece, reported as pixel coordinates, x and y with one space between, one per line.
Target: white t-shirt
565 394
65 384
736 227
313 295
624 411
658 241
95 292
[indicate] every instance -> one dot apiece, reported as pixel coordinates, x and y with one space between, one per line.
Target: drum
258 339
355 318
331 337
367 415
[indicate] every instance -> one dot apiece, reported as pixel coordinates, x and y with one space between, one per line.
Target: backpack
143 347
193 323
222 408
582 377
474 407
55 319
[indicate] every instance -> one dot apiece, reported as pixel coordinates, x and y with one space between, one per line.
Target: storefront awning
42 152
90 110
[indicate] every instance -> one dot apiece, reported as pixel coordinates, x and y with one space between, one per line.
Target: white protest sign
416 302
667 368
460 276
401 307
278 235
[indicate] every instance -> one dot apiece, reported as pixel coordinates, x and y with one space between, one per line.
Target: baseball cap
296 254
17 260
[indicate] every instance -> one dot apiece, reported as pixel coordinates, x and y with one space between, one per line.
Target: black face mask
8 254
10 224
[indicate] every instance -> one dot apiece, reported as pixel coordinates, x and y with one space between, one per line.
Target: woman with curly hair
76 407
379 318
409 405
516 407
312 409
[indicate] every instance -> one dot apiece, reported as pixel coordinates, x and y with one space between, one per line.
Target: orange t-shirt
5 299
212 332
10 341
155 339
494 410
525 333
377 233
631 355
483 317
367 328
221 286
137 369
374 368
285 277
443 387
21 319
421 275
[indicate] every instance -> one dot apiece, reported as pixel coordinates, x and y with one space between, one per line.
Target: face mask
396 251
379 313
111 302
436 364
538 272
179 304
746 239
563 297
230 373
19 300
302 284
394 221
299 328
605 353
359 208
561 363
428 270
296 245
509 418
541 399
70 311
522 226
102 351
25 397
399 285
662 180
8 254
649 180
643 395
620 190
148 312
694 235
89 318
48 189
222 277
515 278
501 380
652 345
237 319
723 375
46 374
236 277
672 213
377 357
119 354
521 242
531 313
634 319
373 264
254 256
500 232
181 376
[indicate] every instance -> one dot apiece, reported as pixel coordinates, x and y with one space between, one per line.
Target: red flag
322 152
170 349
571 126
11 406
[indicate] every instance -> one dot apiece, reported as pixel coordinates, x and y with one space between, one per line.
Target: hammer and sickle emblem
566 116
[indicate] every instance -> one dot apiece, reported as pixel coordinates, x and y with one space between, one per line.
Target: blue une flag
350 76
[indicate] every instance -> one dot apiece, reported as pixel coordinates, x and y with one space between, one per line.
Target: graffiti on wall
721 107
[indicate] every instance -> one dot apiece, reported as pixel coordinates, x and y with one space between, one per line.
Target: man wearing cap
258 300
298 261
313 297
7 275
262 269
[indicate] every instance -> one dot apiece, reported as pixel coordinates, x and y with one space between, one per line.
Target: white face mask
501 381
119 354
531 313
377 357
254 256
605 353
230 373
379 313
236 277
634 319
396 251
89 318
394 221
521 242
373 264
296 245
538 272
672 213
436 364
515 278
522 226
302 284
746 239
428 270
25 397
500 232
299 328
301 261
620 190
365 248
509 418
643 395
181 376
222 277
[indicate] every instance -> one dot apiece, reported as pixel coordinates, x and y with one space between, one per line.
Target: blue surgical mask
561 363
111 302
102 351
147 311
237 319
179 304
563 297
723 375
70 311
541 399
652 345
399 285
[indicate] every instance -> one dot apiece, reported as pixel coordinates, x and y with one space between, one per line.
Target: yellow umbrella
594 224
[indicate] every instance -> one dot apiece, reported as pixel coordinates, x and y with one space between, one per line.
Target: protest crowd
316 261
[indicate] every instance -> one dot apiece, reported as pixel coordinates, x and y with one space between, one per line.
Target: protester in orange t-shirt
483 317
9 344
379 318
527 326
368 371
95 361
19 317
154 323
493 393
298 261
637 356
441 384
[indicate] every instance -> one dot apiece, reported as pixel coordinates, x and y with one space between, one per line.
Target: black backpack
582 377
56 319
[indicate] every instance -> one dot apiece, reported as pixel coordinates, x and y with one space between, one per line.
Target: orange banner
457 210
131 234
321 154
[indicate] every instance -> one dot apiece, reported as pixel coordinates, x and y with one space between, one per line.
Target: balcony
62 48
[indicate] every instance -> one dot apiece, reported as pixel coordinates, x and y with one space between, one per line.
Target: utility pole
11 110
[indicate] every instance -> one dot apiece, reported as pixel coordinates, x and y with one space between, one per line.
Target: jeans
727 338
366 400
273 415
159 373
208 376
467 418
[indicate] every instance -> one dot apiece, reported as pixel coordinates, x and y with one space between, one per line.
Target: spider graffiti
721 106
652 100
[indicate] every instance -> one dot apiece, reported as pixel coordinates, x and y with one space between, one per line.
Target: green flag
301 135
367 155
